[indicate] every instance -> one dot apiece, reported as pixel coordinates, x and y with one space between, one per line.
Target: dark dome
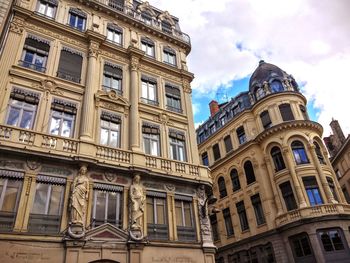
264 72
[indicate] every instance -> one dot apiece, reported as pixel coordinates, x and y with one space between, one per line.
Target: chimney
214 107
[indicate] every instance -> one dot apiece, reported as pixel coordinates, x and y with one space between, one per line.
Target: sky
309 39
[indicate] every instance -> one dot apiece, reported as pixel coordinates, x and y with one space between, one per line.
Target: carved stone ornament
17 25
169 187
78 204
93 49
48 86
137 200
33 164
109 176
134 63
186 86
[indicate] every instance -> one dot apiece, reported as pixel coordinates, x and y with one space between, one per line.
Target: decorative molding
17 25
48 86
111 100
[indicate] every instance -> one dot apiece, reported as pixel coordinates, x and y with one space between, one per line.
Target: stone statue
137 203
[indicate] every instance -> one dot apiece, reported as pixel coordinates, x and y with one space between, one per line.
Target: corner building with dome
278 197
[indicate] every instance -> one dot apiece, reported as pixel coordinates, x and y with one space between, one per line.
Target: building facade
339 148
278 196
98 155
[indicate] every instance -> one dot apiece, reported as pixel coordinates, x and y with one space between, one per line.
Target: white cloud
307 38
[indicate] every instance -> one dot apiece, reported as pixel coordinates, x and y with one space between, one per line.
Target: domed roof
264 72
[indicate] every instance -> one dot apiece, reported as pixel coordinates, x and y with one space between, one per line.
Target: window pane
29 57
13 116
160 211
144 90
67 128
26 121
114 139
12 190
40 199
72 20
178 213
41 8
115 83
150 211
104 136
100 205
55 126
187 210
154 148
50 11
80 24
297 248
152 95
55 199
336 240
39 60
326 241
112 204
110 35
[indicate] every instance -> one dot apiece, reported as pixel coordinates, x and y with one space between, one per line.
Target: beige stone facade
278 196
94 94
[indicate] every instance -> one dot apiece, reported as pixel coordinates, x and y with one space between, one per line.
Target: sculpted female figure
137 198
79 197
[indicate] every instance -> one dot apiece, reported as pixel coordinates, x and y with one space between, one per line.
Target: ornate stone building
98 155
279 199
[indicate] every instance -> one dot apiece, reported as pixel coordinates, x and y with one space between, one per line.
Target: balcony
15 139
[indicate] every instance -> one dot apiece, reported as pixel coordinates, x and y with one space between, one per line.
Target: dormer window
146 18
276 86
147 46
259 93
166 27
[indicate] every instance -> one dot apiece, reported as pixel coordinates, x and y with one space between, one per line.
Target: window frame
112 120
222 187
46 4
288 196
152 136
277 158
115 31
155 196
334 249
258 209
185 232
236 185
265 119
312 190
228 143
228 222
286 112
299 153
301 241
112 77
169 57
176 145
146 87
241 136
21 108
242 214
148 47
249 172
216 152
76 16
206 158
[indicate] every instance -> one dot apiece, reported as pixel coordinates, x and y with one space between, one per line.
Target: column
291 168
134 104
87 116
325 186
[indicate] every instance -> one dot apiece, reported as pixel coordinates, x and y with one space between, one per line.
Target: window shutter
77 12
149 79
115 28
107 116
147 41
177 135
64 106
310 181
172 90
169 50
24 95
113 70
150 129
37 43
70 63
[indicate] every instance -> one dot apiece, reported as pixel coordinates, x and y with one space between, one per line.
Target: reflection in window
157 224
62 118
47 8
184 218
241 135
151 143
276 86
177 145
312 190
110 129
277 159
222 187
35 53
148 90
299 153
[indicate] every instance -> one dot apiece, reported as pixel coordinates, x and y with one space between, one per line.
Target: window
299 153
288 196
259 93
214 227
276 86
10 190
77 19
169 56
319 153
150 134
45 216
338 174
212 128
70 65
114 34
222 187
166 27
236 109
312 190
277 158
201 136
112 78
146 17
184 218
173 98
332 188
22 108
301 246
35 53
148 90
205 160
157 224
216 152
259 212
147 46
304 112
110 129
331 239
286 112
222 120
241 135
346 194
62 118
242 216
116 4
265 119
249 172
177 145
228 222
47 8
107 205
228 143
235 180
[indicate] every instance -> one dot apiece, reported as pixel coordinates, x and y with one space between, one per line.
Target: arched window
249 172
235 180
265 119
299 152
259 93
319 153
276 86
222 187
277 159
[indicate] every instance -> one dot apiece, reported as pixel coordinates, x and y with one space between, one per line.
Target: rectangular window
301 247
242 216
147 46
157 225
107 205
62 118
241 135
112 78
205 160
216 152
173 98
228 143
177 145
259 212
35 53
146 17
169 56
114 34
288 196
184 218
332 239
166 27
214 227
265 119
151 142
346 195
70 64
332 188
338 174
312 190
110 129
22 108
47 8
149 91
10 191
45 216
228 222
286 112
77 19
116 4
